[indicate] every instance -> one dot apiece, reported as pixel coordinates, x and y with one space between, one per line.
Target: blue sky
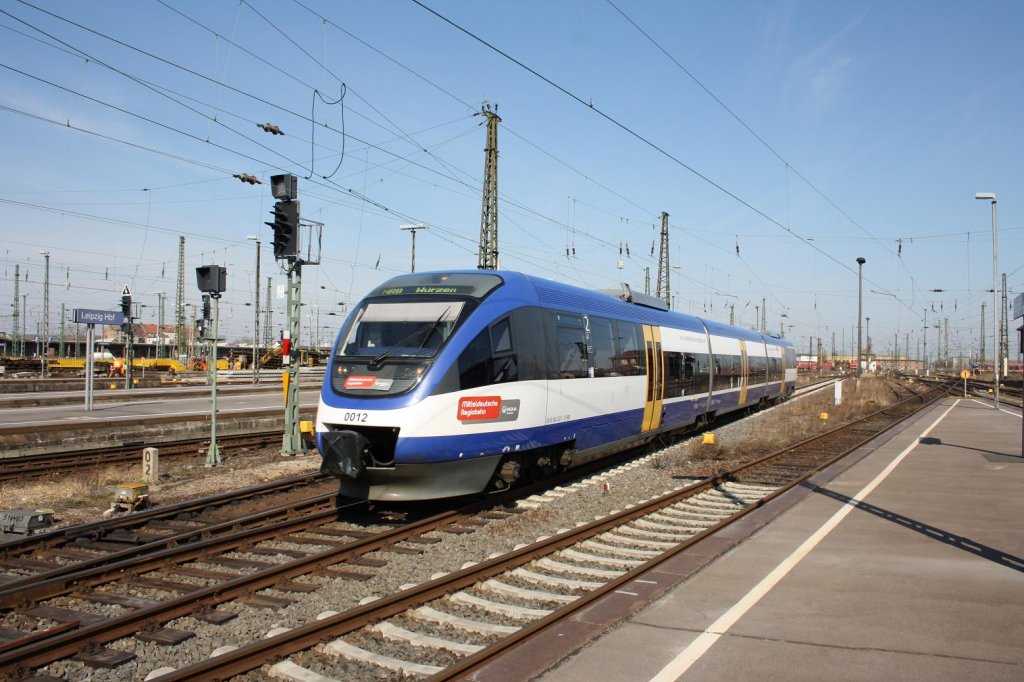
805 134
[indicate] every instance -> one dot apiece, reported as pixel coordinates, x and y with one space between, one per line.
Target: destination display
432 289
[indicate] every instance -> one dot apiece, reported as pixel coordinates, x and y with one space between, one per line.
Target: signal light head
286 229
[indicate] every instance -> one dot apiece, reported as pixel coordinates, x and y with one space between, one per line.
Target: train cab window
489 358
571 346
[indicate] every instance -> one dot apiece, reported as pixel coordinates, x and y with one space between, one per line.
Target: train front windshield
390 344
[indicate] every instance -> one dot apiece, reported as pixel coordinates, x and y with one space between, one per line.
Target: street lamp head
413 226
861 261
987 196
252 237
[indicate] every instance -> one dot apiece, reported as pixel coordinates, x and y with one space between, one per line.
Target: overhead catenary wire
641 138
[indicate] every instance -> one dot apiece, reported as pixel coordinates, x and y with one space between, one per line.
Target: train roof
576 299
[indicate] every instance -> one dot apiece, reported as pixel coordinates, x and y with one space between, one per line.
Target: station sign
108 317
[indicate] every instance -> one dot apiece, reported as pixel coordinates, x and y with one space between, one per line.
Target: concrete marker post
151 465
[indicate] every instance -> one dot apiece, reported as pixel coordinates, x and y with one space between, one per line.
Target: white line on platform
692 653
1013 414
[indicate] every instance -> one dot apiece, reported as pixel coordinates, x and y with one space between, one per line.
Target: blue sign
84 316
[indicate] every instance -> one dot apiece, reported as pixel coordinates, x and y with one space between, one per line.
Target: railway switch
129 497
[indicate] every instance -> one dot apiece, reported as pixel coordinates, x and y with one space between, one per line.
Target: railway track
1011 395
32 559
502 602
492 605
45 465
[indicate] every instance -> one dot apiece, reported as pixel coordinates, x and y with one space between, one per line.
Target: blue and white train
447 384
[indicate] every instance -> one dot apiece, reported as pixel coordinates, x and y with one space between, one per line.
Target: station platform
905 562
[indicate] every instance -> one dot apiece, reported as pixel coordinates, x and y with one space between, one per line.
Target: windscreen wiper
377 361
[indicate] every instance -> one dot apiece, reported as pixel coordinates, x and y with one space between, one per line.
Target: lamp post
256 315
997 313
860 292
46 317
412 230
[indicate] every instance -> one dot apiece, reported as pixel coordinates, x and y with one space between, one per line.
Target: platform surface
907 566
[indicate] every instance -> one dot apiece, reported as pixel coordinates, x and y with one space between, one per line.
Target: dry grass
84 489
787 425
84 495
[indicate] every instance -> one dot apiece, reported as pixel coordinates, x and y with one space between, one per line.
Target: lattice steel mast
179 308
663 264
488 254
15 315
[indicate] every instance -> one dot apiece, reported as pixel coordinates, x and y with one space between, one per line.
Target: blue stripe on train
588 433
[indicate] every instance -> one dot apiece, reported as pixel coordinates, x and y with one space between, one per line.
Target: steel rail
40 465
15 591
62 645
9 548
43 649
256 654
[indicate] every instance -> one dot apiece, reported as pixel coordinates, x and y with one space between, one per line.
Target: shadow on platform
990 455
960 542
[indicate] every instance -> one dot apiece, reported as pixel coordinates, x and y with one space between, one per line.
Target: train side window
673 374
602 341
757 369
721 375
489 358
630 360
474 360
571 346
696 372
501 337
530 339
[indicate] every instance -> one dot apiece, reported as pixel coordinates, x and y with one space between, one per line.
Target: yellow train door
744 372
655 377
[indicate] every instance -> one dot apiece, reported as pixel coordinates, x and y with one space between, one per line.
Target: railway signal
126 303
286 229
212 281
284 188
126 328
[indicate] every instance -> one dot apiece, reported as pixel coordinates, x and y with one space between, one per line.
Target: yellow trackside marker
284 382
823 416
709 439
